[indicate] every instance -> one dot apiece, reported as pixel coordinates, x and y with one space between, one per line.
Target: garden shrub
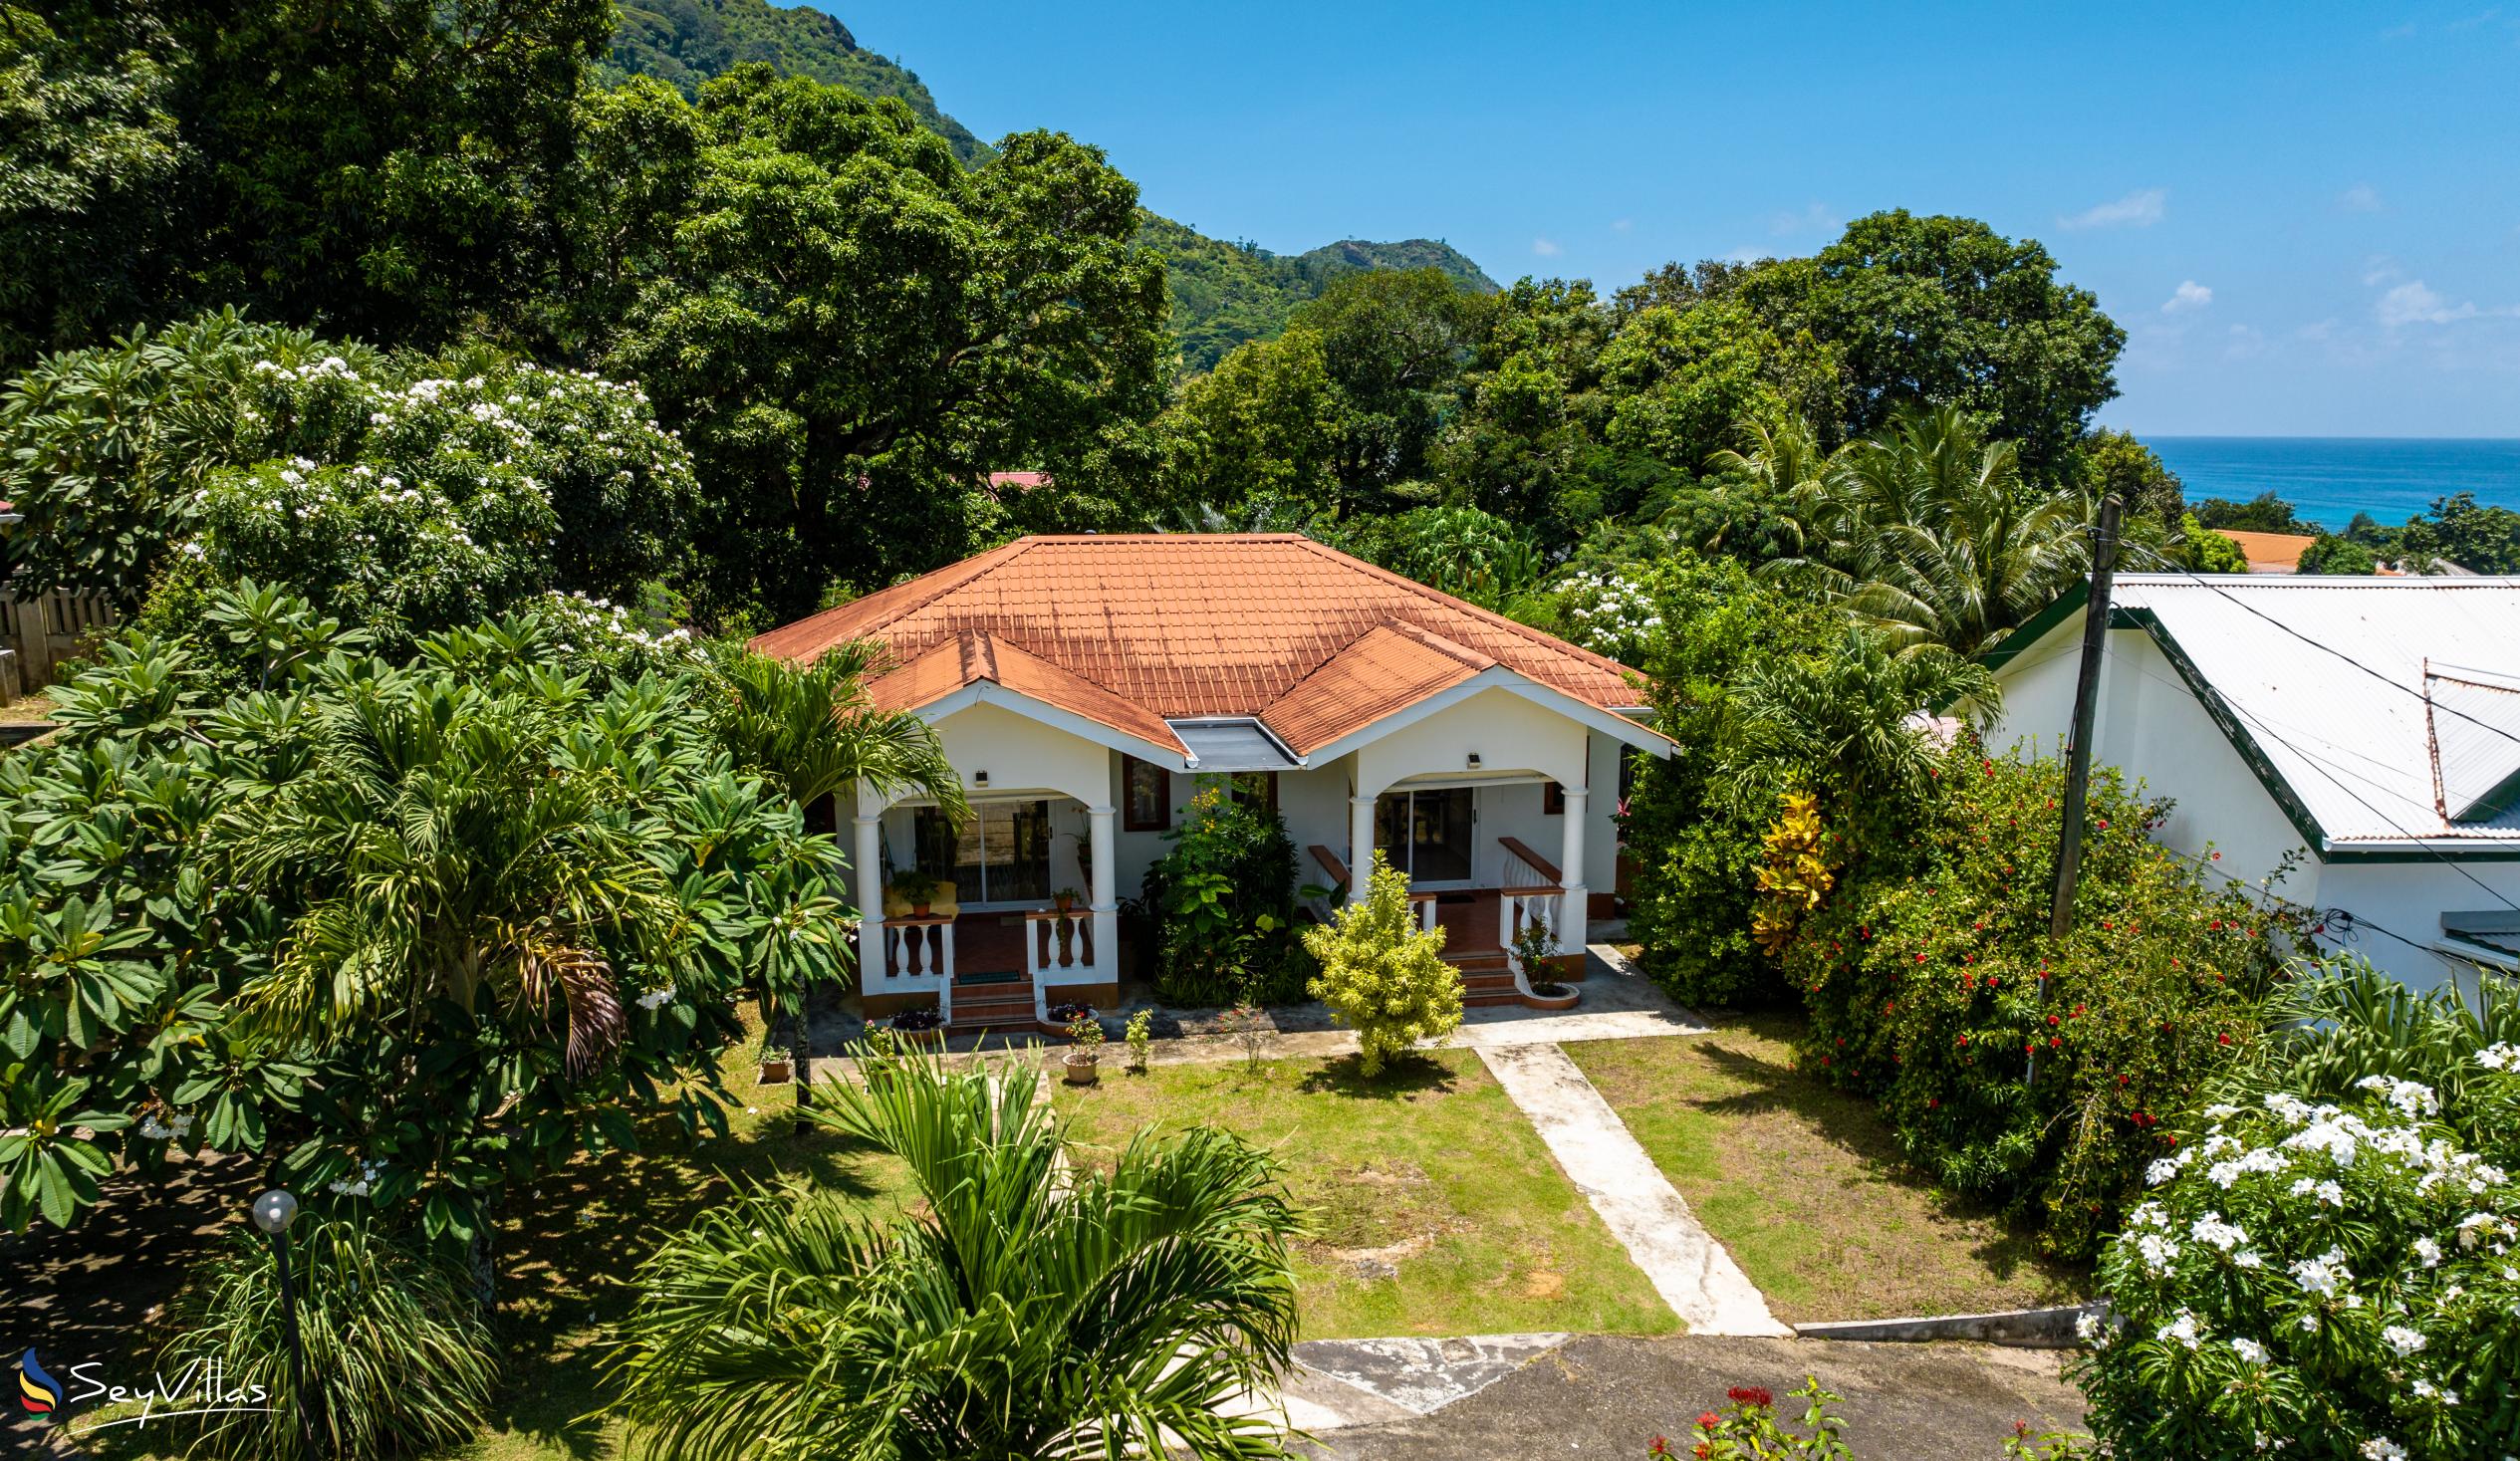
2318 1280
1694 821
395 1346
1924 978
1382 975
1222 905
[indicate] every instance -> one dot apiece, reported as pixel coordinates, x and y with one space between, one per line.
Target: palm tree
1930 531
1854 711
815 730
1021 1311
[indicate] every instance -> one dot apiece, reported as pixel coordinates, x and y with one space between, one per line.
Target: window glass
1146 795
1426 834
1001 853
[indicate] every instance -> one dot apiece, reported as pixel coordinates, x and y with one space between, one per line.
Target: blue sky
2307 217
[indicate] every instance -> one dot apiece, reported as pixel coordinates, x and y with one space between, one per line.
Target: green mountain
685 42
1223 294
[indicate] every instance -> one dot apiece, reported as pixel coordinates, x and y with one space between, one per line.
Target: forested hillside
685 42
1223 294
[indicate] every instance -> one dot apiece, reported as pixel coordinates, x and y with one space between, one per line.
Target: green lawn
1805 1184
1435 1209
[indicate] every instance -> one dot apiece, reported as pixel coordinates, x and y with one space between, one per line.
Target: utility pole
2078 753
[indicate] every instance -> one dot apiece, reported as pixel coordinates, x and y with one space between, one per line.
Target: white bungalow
1086 687
2368 728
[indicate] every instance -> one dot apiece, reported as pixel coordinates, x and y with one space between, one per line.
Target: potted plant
1085 1057
1536 953
775 1069
916 887
1065 900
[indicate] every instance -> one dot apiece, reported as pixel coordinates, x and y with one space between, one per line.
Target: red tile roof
1172 626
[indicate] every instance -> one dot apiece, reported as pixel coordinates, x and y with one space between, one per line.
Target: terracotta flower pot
920 910
1083 1069
775 1073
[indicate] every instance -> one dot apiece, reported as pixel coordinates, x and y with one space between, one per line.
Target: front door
1426 833
1000 853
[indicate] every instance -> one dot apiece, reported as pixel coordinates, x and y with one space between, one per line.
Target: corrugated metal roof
2360 755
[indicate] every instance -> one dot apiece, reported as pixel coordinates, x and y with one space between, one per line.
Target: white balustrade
920 944
1059 941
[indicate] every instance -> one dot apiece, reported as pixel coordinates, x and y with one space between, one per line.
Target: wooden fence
41 630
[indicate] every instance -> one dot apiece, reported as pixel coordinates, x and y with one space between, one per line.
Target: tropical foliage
411 930
1382 975
1220 905
2043 1074
1025 1309
2339 1275
396 1353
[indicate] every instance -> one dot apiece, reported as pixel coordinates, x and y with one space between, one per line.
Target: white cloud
2140 209
1622 225
2360 198
2412 304
1546 248
2244 342
1814 218
2188 296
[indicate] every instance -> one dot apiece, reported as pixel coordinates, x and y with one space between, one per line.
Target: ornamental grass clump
1382 975
2317 1280
2036 1075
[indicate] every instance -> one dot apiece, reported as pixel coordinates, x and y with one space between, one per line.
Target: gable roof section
1181 627
1386 669
970 659
2352 760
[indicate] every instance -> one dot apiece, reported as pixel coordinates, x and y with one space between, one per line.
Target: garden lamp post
273 1212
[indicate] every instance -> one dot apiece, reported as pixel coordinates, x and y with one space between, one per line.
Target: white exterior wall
2150 725
1508 733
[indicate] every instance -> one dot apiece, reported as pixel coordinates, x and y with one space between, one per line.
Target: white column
1106 890
1360 847
1571 920
870 871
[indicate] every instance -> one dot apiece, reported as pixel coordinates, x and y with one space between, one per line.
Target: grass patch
1807 1186
1435 1209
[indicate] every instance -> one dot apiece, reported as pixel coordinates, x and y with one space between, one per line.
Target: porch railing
1528 893
1059 941
919 944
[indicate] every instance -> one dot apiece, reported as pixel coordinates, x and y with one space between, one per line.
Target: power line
2332 774
2395 684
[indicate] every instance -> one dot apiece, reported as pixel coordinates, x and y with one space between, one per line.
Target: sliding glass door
1426 834
1000 853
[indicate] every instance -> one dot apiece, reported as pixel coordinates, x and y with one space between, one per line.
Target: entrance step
993 1002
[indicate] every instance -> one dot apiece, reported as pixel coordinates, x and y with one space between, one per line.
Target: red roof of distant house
1026 480
1133 629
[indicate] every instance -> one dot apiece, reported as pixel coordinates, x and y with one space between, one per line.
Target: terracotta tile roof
1205 625
2270 553
970 658
1386 669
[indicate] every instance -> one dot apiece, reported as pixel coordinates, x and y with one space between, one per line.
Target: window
1253 789
1145 796
1552 799
1000 853
1425 834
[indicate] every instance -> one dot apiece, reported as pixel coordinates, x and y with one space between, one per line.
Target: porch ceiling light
1474 760
979 778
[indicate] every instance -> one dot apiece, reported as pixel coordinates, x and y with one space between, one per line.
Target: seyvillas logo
37 1391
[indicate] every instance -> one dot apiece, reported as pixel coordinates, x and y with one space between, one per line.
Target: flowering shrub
1747 1429
408 508
1933 985
2329 1279
1608 614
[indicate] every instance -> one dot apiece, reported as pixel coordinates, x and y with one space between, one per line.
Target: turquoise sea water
2328 479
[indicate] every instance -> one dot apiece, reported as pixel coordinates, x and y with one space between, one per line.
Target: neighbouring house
1086 687
2367 727
2270 553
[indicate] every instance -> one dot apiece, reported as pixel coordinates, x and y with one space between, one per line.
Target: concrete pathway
1689 1269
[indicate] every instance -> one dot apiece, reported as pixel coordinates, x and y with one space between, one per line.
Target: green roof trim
2036 626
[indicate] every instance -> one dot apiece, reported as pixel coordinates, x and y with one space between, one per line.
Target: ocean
2328 479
